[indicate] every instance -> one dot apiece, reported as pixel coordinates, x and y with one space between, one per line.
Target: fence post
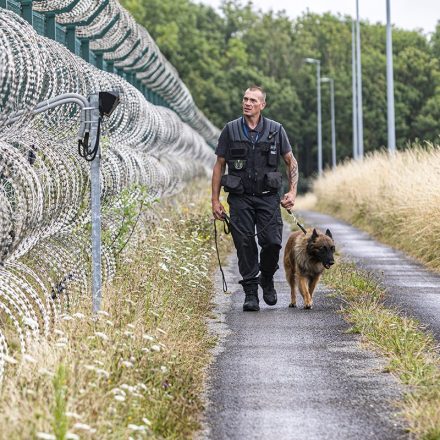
95 183
26 10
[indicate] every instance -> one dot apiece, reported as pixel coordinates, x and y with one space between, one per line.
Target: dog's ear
314 234
328 233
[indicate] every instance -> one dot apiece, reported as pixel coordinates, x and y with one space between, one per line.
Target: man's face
253 103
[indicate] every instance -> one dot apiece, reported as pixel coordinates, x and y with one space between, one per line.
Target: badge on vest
239 164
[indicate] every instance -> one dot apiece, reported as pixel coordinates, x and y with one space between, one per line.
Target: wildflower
101 335
79 315
29 358
46 372
164 369
136 427
82 426
146 421
131 326
71 436
155 347
148 337
119 398
45 436
102 372
73 415
127 364
110 323
164 267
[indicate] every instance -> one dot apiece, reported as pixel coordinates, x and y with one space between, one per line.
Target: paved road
411 288
294 374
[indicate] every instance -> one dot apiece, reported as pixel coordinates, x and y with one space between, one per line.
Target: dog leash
296 221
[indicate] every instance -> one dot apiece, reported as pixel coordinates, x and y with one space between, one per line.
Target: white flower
60 344
119 398
127 364
102 372
29 358
164 267
164 369
101 335
110 323
79 315
155 347
146 421
148 337
136 427
45 436
131 326
46 372
73 415
82 426
72 436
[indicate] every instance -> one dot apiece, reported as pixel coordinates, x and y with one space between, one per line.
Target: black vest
253 167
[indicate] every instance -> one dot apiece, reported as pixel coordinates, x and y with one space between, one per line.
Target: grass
395 199
137 369
412 353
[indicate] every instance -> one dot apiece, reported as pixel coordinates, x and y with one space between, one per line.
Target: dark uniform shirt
223 140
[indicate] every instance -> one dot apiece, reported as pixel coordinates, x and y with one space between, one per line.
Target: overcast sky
406 14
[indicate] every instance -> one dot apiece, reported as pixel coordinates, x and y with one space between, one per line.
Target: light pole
332 112
390 85
360 125
354 91
318 87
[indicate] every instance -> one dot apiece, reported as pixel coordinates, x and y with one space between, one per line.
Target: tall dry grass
395 198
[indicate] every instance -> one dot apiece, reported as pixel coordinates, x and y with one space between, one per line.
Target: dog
305 258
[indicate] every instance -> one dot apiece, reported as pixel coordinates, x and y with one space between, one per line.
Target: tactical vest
253 167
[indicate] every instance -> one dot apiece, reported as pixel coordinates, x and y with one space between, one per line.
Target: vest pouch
232 184
272 156
273 181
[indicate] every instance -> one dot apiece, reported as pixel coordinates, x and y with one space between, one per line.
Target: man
251 146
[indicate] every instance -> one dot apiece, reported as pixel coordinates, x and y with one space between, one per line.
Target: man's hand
288 201
218 210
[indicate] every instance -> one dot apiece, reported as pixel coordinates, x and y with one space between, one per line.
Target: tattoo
292 172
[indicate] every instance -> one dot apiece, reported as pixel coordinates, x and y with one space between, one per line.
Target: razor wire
45 184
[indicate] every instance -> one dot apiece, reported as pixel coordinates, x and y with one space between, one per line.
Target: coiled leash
227 230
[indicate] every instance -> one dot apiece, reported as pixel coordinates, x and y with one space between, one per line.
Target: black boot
269 292
251 302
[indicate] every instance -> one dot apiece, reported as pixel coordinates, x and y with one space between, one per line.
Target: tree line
218 55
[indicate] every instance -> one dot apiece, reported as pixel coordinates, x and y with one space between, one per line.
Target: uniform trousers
247 213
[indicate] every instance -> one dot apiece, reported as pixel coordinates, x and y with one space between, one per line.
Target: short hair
259 88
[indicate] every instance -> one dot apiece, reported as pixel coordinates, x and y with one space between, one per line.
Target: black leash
227 231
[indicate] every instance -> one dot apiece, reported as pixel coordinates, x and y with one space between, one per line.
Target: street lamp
332 112
360 125
390 85
318 87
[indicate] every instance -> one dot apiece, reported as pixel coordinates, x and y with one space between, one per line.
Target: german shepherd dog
305 258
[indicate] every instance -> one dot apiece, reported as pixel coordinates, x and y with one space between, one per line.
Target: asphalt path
285 373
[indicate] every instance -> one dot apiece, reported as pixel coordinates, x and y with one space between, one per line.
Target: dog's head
322 247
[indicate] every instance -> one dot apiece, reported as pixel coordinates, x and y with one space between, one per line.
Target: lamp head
311 60
108 101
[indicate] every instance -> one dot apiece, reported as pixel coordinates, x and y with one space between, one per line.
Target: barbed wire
45 185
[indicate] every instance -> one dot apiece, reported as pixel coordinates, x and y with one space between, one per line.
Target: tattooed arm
288 200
